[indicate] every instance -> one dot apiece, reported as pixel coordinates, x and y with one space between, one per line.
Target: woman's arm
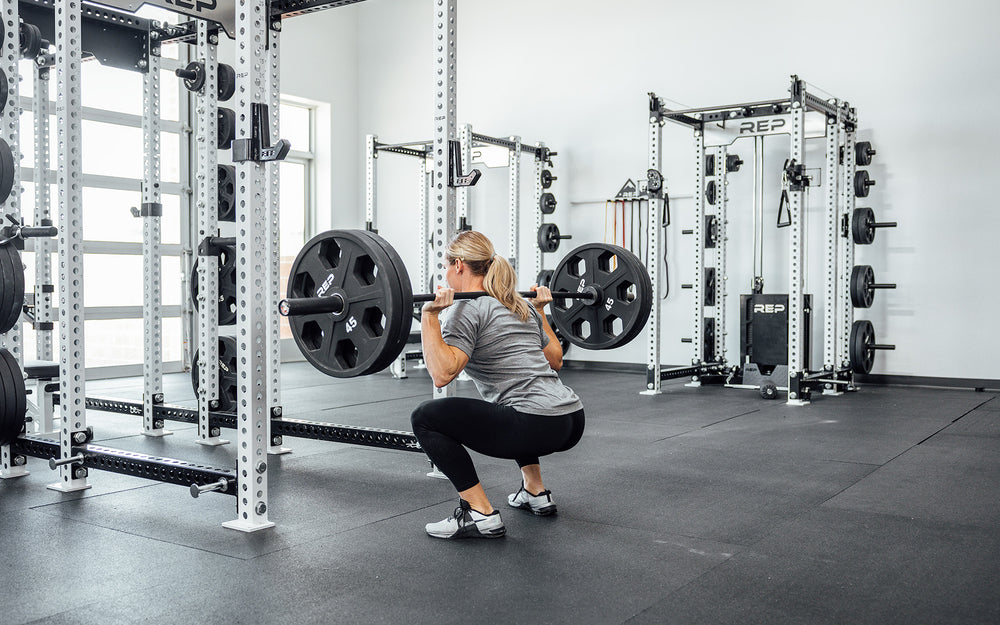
553 349
444 362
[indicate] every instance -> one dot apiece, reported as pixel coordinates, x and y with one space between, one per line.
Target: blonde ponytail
499 277
500 282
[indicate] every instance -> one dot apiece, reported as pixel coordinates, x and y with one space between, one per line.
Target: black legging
444 425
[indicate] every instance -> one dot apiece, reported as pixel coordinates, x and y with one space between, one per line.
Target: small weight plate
12 297
227 193
862 293
862 338
14 401
226 82
863 225
863 153
4 89
548 238
861 183
31 40
547 178
710 192
227 128
544 277
351 342
227 286
625 296
228 384
547 204
196 83
6 171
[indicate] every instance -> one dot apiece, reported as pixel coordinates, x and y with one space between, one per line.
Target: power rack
802 115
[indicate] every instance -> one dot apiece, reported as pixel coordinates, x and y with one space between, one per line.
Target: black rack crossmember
153 468
292 428
115 38
710 368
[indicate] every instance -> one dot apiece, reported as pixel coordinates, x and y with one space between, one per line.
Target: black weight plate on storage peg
625 296
227 128
12 298
547 204
196 83
710 192
13 398
547 179
18 303
6 288
6 171
863 153
227 82
709 164
343 262
4 89
228 385
863 225
862 279
227 193
227 286
31 40
548 238
862 338
861 183
544 277
399 326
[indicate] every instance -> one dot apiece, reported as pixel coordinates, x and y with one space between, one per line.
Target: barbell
350 302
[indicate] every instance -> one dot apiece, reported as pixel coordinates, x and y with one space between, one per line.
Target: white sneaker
468 523
540 504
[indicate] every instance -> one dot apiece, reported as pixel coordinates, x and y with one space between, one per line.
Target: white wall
575 74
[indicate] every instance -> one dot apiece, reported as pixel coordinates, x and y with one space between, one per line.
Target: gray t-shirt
505 357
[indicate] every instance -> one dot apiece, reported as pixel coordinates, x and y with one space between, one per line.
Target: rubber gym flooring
701 505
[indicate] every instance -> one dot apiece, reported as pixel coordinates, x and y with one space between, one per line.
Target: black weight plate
18 303
547 204
544 277
31 40
6 288
863 225
6 171
710 192
227 193
14 401
227 128
12 298
862 337
548 238
547 179
863 153
196 83
861 183
398 327
227 82
228 384
862 294
4 89
227 287
625 296
350 343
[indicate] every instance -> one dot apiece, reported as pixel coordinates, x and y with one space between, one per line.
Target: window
111 134
297 186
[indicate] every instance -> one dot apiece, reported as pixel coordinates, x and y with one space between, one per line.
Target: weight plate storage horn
624 296
378 303
227 374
